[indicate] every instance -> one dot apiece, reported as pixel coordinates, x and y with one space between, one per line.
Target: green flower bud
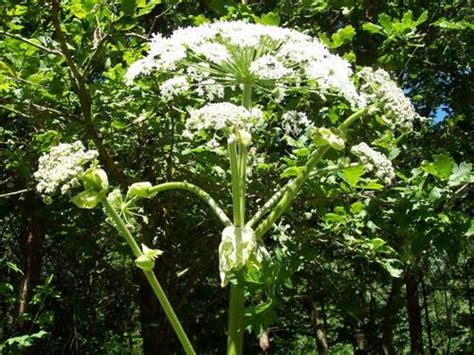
95 179
140 189
146 261
324 136
245 137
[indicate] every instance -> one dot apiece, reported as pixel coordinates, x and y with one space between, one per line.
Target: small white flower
60 167
375 161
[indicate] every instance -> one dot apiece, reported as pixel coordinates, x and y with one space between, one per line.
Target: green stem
276 197
267 206
14 193
238 167
291 191
152 280
197 191
293 186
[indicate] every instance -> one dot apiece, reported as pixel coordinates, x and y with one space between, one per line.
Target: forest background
68 284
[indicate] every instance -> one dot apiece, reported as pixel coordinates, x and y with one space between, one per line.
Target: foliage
339 244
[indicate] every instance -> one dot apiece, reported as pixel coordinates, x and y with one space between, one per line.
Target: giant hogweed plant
238 72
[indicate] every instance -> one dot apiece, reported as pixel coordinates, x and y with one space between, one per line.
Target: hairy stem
152 280
203 195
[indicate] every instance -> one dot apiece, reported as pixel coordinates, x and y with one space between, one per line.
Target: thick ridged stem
238 165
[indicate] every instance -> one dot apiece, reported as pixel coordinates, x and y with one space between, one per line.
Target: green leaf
332 217
47 139
291 171
352 174
395 152
385 21
343 36
461 174
452 25
422 18
371 185
269 19
435 194
441 167
357 207
377 243
372 28
26 340
128 7
393 266
146 9
14 267
78 10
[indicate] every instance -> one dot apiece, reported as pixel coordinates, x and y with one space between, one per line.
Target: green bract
95 183
235 250
146 261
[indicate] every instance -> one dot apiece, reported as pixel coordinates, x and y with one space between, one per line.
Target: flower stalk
238 165
151 277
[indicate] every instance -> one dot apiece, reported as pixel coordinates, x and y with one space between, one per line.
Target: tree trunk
427 317
318 326
414 313
31 246
32 270
394 302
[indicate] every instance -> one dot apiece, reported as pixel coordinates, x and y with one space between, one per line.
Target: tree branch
84 97
31 43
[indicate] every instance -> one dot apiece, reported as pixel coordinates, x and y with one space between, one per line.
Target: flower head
223 117
379 89
294 123
227 54
61 166
375 161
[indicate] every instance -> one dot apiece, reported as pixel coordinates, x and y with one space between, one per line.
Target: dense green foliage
358 267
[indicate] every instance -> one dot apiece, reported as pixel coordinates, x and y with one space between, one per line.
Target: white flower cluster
294 123
375 161
231 53
225 117
269 67
60 167
396 109
173 87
